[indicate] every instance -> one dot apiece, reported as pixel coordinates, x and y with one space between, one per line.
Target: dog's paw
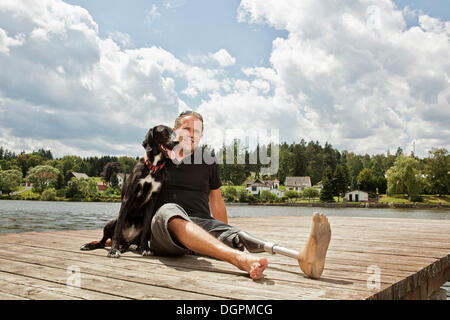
147 253
89 246
113 254
123 249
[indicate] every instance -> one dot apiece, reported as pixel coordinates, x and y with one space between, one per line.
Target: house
77 175
318 186
357 196
121 177
255 187
101 185
277 192
276 184
298 183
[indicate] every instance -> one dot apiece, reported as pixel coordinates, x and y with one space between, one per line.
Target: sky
91 77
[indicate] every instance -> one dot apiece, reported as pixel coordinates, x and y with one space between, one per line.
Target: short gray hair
185 114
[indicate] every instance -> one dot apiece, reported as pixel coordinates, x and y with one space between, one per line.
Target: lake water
25 216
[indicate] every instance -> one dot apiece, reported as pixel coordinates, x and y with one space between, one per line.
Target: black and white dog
133 225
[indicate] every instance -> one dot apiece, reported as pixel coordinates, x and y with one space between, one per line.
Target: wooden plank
285 262
325 273
332 246
9 296
31 292
350 275
56 290
413 256
120 288
361 259
220 281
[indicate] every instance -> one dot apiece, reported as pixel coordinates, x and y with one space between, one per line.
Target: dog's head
160 139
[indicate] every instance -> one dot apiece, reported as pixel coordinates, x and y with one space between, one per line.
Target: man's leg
198 240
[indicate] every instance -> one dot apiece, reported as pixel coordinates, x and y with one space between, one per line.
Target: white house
298 183
357 196
121 177
277 192
318 186
255 187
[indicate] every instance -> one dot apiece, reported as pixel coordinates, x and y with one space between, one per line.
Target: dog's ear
147 143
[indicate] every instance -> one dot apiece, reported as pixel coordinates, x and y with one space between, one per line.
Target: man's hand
217 206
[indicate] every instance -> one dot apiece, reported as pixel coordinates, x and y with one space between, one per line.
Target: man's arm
217 206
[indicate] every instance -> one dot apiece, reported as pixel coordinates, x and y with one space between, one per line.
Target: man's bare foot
253 265
312 257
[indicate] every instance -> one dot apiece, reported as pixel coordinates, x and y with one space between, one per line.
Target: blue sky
185 27
90 77
200 26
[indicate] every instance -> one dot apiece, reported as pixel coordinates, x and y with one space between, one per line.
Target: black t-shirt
189 183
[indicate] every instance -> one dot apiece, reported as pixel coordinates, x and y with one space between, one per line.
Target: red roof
101 186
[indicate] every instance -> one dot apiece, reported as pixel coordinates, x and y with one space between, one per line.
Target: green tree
341 179
404 177
81 188
59 183
114 181
243 195
41 177
291 194
437 170
71 163
126 164
267 196
286 158
27 160
10 180
229 194
366 180
49 194
310 193
327 192
355 165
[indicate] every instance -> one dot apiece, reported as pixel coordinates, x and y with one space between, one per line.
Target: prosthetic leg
255 245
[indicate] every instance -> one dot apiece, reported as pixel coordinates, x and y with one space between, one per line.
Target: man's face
189 133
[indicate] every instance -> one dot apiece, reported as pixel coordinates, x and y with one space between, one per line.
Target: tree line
50 176
339 171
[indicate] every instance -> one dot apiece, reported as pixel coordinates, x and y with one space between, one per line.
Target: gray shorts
164 244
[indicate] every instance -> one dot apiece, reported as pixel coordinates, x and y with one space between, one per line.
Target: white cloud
223 58
361 79
153 14
122 38
7 42
350 73
65 84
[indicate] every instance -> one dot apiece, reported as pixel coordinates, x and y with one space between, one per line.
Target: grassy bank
384 199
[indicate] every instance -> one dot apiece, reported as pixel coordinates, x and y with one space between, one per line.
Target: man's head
189 129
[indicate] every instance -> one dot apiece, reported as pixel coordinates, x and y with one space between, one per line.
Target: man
191 215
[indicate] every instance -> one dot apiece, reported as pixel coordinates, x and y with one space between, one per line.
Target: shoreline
417 206
371 205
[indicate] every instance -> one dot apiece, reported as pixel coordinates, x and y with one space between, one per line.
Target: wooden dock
368 258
